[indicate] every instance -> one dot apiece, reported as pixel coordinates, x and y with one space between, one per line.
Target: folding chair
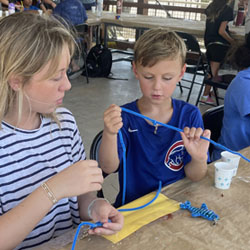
83 44
226 79
94 149
212 49
195 60
212 119
95 145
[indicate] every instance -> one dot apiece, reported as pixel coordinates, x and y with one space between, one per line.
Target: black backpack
99 62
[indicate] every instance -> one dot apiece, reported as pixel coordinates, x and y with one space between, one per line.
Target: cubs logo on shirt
174 156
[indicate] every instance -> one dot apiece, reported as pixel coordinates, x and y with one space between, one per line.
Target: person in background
46 184
40 5
88 3
5 4
155 153
72 11
217 39
27 5
49 4
235 133
247 18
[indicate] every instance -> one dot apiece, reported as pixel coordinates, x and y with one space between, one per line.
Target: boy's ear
15 82
135 69
183 70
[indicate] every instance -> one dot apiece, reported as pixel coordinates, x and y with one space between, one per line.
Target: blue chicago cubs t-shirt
151 156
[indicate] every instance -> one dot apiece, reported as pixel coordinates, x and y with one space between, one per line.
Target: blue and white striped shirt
30 157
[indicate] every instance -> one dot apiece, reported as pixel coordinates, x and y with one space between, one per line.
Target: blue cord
99 224
124 167
145 205
180 130
85 223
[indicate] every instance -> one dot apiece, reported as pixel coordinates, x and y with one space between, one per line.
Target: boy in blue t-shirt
155 153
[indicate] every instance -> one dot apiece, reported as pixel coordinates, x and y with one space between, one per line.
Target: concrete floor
87 102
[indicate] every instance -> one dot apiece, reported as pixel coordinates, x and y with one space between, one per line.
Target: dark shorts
216 52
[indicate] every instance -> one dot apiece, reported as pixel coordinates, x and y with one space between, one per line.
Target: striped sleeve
30 157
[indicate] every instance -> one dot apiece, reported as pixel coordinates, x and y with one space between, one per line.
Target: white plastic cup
93 9
223 175
6 13
1 13
40 12
232 159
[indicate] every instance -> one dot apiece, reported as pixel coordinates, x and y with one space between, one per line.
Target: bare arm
6 2
196 169
224 34
50 2
20 220
82 177
108 155
42 7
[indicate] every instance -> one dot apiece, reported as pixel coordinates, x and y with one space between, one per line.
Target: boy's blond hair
158 44
27 43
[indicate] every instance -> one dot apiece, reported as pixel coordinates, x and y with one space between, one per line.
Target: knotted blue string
99 224
180 130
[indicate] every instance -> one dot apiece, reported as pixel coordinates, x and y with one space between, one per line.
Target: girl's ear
15 82
135 70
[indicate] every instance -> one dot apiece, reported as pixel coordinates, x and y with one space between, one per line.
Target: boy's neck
161 113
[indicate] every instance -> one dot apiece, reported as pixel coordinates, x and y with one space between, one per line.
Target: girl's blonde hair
158 44
27 43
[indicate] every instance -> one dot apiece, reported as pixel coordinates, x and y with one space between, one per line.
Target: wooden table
179 230
142 22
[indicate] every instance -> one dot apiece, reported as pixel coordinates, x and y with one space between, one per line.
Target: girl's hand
194 145
102 211
80 178
112 119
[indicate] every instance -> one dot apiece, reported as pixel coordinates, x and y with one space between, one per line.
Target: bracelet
92 203
49 192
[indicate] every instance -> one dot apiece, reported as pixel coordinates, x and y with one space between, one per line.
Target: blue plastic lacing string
145 205
124 167
85 223
180 130
99 224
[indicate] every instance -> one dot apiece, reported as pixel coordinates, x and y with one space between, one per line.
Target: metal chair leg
85 65
181 89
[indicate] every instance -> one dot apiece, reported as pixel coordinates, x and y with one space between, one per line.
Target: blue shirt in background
235 133
72 11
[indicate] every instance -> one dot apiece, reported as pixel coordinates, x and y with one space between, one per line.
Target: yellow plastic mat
134 220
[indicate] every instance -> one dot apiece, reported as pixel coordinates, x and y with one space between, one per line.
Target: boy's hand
112 119
194 145
102 211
